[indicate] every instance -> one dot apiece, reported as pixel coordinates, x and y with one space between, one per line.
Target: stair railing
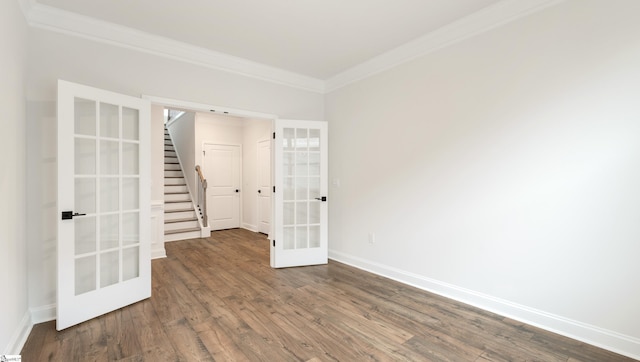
202 196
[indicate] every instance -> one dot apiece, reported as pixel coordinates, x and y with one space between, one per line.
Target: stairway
180 220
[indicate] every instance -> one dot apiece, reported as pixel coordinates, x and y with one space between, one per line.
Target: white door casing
300 217
104 260
264 186
222 164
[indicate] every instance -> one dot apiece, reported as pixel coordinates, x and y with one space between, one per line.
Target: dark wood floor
218 299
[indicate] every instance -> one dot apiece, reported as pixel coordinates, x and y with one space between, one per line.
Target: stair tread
180 220
178 210
176 185
177 193
176 201
179 231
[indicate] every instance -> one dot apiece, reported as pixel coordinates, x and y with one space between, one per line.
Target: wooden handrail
201 176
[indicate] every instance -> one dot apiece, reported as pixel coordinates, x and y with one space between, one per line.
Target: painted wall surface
504 167
157 153
52 56
13 258
183 132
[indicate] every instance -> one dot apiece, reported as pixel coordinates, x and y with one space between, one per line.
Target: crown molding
484 20
50 18
69 23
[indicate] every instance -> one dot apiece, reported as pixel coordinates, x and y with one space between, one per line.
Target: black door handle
323 198
68 215
259 191
237 190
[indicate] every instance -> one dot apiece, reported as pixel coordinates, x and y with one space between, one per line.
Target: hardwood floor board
218 342
186 342
122 335
259 319
91 341
367 334
303 325
36 341
358 313
189 305
217 298
152 337
438 349
165 302
575 350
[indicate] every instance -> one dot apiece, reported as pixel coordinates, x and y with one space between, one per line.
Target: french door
103 202
300 177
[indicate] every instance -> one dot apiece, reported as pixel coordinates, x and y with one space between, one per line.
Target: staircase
180 220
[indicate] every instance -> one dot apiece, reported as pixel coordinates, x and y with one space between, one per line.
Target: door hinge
274 243
274 189
274 135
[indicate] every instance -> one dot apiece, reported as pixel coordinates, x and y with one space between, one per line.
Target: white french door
264 186
222 170
104 260
300 176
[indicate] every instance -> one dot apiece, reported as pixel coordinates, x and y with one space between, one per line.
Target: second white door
222 171
264 186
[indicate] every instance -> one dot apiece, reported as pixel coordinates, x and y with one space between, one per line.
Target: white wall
183 132
52 56
504 171
157 153
14 319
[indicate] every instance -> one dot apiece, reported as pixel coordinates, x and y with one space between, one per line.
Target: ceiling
314 38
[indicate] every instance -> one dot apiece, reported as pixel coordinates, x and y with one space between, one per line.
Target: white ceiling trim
484 20
69 23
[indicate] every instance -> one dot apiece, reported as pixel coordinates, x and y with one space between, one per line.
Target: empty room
320 180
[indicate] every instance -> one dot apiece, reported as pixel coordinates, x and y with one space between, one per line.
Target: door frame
201 163
208 108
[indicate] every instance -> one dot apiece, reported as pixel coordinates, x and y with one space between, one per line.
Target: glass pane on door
107 182
301 180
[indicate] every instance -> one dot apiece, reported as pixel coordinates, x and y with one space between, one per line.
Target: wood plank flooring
217 299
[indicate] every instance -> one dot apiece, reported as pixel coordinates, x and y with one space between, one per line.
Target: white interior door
222 171
104 260
264 186
300 176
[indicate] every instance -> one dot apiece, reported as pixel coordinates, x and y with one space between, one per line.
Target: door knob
237 190
259 191
323 198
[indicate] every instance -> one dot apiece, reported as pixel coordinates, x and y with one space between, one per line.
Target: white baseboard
606 339
250 227
43 314
159 253
20 335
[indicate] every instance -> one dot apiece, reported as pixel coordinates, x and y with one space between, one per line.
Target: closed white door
222 170
301 213
264 186
104 260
